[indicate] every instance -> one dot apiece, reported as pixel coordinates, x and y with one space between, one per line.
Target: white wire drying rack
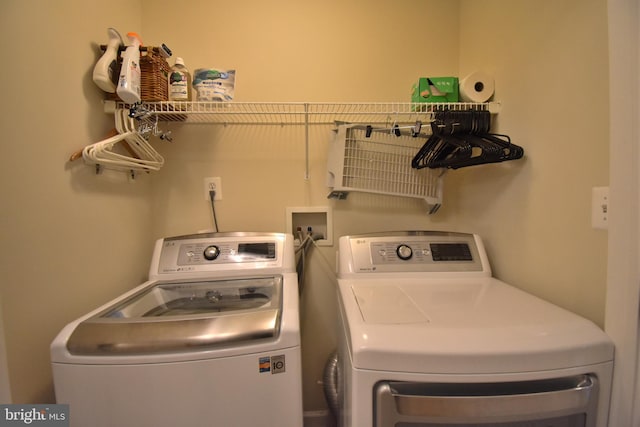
380 162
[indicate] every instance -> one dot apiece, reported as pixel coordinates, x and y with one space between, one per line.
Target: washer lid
463 326
165 317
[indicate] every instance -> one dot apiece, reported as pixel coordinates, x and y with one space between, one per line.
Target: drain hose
330 381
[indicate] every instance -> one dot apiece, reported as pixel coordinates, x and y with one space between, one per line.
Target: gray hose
330 381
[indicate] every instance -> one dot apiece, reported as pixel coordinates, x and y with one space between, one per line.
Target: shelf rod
306 142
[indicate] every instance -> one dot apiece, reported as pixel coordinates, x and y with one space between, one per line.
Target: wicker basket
154 75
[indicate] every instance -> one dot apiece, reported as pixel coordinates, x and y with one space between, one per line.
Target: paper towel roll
477 87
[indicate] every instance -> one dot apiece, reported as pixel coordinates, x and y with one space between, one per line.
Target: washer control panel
223 252
219 252
413 251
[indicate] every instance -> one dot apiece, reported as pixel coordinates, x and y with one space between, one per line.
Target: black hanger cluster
463 138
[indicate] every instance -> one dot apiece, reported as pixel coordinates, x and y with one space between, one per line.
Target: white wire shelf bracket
301 113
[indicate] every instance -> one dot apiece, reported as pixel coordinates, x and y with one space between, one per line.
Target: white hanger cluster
141 155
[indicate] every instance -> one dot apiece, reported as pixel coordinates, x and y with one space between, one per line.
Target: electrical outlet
213 183
600 207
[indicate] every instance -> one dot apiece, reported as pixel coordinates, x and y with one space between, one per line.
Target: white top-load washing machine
429 338
212 339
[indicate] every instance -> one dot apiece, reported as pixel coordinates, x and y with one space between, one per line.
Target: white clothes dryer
430 339
212 339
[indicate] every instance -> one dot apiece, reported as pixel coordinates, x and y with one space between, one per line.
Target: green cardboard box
435 89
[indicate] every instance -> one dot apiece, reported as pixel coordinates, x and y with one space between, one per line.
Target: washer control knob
404 252
211 252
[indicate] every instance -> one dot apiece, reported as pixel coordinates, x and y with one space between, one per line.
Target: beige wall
550 63
100 228
70 239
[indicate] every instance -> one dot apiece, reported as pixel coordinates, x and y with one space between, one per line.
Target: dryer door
184 316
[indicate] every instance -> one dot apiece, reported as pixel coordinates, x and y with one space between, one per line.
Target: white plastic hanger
143 156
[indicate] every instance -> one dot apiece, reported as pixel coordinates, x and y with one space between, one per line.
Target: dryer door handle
444 403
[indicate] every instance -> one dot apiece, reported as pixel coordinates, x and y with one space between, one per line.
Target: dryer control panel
412 251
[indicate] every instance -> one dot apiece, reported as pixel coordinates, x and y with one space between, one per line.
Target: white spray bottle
105 69
129 82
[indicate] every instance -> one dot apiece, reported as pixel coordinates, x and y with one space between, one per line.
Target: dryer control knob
211 252
404 252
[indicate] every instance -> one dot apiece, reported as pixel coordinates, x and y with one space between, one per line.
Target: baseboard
318 419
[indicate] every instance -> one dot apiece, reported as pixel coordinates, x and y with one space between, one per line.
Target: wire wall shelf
380 162
392 173
300 113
